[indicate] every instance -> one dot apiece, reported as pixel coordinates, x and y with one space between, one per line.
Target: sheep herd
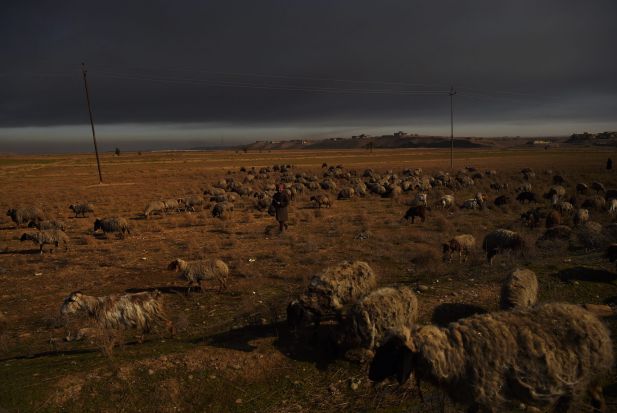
540 355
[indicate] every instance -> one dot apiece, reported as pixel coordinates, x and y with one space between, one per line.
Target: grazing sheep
501 200
526 187
379 315
500 240
446 201
472 203
552 219
497 186
321 200
532 217
597 202
562 232
547 357
51 237
192 202
23 216
81 209
155 207
205 270
421 199
345 193
416 211
558 180
113 224
581 216
222 209
141 311
582 188
173 204
565 207
330 292
519 290
463 244
526 197
47 224
598 187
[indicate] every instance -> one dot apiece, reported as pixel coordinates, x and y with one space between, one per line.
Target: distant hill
595 139
364 142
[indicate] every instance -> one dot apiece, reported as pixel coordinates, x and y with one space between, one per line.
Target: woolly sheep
380 314
552 219
550 355
81 209
416 211
222 209
582 188
52 237
192 202
501 200
446 201
155 207
581 216
23 216
141 311
47 224
345 193
519 290
204 270
330 292
321 200
463 244
526 197
472 203
500 240
173 204
598 187
113 224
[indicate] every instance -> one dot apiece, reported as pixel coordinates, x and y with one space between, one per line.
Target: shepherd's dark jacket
280 202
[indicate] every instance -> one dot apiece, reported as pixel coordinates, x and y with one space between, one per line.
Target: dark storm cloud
253 62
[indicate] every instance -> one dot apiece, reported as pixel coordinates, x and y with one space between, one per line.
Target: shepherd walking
280 203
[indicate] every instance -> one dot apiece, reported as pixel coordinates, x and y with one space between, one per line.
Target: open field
233 351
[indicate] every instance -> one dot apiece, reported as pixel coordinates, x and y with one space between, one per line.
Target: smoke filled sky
194 72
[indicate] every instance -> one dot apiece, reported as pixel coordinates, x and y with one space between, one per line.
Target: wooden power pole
451 93
96 149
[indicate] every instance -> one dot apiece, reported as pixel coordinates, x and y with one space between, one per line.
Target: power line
84 72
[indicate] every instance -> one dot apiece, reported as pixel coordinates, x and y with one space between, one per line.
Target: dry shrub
188 220
107 339
85 240
442 224
229 243
247 218
424 255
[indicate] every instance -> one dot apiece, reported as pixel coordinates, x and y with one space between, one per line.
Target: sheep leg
563 404
41 248
597 400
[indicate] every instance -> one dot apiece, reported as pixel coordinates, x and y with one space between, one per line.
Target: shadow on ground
447 313
587 274
314 346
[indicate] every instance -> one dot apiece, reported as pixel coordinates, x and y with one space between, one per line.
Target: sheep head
72 303
394 358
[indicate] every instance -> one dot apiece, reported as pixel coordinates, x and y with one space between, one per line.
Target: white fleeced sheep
462 244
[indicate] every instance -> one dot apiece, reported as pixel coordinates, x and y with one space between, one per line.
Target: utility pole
451 93
96 149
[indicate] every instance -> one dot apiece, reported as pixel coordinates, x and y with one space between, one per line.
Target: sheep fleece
519 290
382 313
532 356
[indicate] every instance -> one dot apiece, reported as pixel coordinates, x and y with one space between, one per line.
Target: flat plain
233 350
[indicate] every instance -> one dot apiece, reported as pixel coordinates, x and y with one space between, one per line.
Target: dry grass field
233 351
